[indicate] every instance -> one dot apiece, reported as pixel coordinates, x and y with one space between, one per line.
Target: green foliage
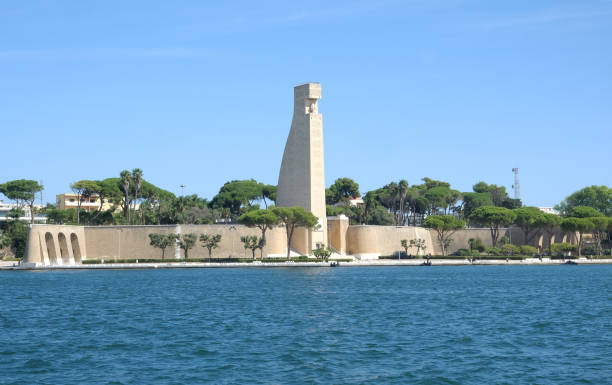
476 244
380 216
510 249
474 200
239 196
503 240
17 232
15 213
525 219
493 218
528 250
262 219
162 241
563 247
547 223
21 191
293 217
463 253
210 242
577 225
322 253
445 226
597 197
342 190
583 212
252 242
493 250
419 244
186 242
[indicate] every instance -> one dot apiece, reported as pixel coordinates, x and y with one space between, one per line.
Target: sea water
346 325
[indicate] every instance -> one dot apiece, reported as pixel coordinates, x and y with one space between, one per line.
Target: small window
71 200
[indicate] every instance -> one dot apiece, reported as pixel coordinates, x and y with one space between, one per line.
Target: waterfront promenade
285 264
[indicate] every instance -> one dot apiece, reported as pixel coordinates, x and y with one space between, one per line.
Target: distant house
6 207
549 210
91 203
355 201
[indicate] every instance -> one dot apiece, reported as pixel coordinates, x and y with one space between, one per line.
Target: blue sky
198 94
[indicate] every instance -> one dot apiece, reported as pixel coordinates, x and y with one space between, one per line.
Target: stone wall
61 245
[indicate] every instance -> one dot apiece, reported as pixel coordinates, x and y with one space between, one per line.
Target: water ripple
447 325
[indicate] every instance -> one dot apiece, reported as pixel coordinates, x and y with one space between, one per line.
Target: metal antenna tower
516 186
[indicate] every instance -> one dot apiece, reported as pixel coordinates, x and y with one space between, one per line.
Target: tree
577 225
137 181
474 200
342 190
251 242
493 218
475 244
445 226
405 246
211 242
525 218
419 243
563 247
597 197
125 181
162 241
237 196
547 223
268 191
186 242
322 252
583 212
262 219
84 189
600 226
22 191
292 217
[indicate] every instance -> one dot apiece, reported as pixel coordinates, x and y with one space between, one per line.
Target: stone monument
301 181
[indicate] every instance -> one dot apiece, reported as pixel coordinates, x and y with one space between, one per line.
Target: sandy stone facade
301 181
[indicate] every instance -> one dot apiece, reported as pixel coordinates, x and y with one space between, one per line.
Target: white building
6 207
549 210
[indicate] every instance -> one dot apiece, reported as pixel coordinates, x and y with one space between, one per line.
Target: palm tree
125 185
137 179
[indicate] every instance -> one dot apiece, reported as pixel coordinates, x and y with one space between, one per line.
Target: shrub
493 251
476 244
463 253
563 247
503 240
528 250
323 253
510 249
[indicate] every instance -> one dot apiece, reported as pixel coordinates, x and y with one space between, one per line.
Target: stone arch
76 249
63 248
50 243
539 242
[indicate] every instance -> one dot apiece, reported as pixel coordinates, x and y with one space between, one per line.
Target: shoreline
378 262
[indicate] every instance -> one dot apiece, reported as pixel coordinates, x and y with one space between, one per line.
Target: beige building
71 201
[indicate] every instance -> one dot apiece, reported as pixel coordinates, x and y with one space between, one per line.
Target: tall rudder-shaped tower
301 181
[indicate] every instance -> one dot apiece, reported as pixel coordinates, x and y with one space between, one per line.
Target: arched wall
63 245
76 249
50 243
